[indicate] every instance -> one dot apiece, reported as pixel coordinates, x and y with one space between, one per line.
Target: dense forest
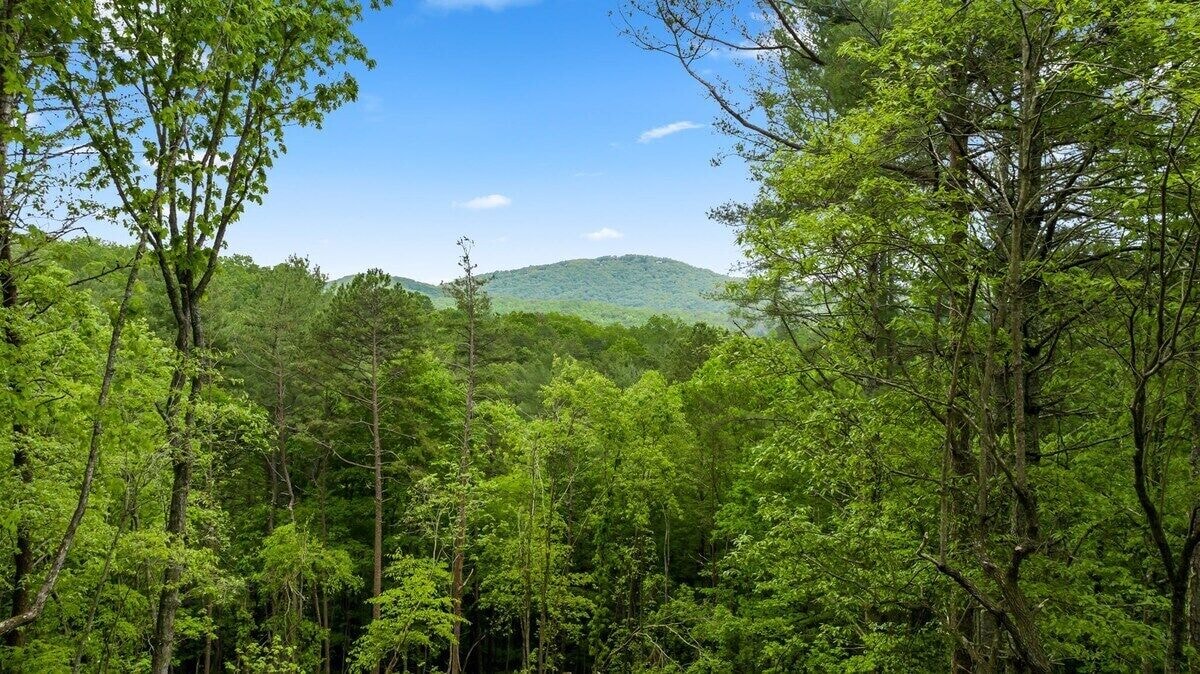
956 426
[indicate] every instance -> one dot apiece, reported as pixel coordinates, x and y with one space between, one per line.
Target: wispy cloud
603 234
494 5
486 202
666 130
746 51
371 106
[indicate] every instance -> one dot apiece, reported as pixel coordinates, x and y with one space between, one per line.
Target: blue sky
517 123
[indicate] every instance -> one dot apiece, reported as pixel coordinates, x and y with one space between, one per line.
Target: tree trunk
179 435
208 647
377 455
1024 224
544 599
1192 398
272 489
281 438
1177 627
464 465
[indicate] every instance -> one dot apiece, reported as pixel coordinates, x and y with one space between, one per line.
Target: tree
369 325
934 211
414 617
297 570
28 613
39 185
267 331
1153 291
201 94
473 304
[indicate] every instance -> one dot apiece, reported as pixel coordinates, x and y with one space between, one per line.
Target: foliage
969 442
415 617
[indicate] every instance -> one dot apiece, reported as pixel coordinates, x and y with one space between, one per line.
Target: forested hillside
968 441
299 428
625 289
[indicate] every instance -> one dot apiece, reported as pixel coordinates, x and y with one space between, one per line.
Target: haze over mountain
616 288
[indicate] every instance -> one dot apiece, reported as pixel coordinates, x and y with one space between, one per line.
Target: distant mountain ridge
614 288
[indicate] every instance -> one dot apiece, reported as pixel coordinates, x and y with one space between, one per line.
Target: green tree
939 216
472 302
370 324
298 571
201 94
415 617
40 189
264 323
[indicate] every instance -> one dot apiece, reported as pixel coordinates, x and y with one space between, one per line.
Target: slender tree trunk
987 650
208 647
180 429
1023 229
544 635
666 556
1025 518
959 459
272 490
527 563
281 438
377 455
1193 408
464 466
327 665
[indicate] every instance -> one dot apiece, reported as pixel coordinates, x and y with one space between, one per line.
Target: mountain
635 281
611 289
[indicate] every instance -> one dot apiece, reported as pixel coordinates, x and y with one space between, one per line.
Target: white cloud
198 157
486 202
603 234
746 51
666 130
372 107
494 5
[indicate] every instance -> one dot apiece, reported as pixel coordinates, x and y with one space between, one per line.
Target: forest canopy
952 425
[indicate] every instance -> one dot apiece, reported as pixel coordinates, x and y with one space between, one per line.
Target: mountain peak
608 261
